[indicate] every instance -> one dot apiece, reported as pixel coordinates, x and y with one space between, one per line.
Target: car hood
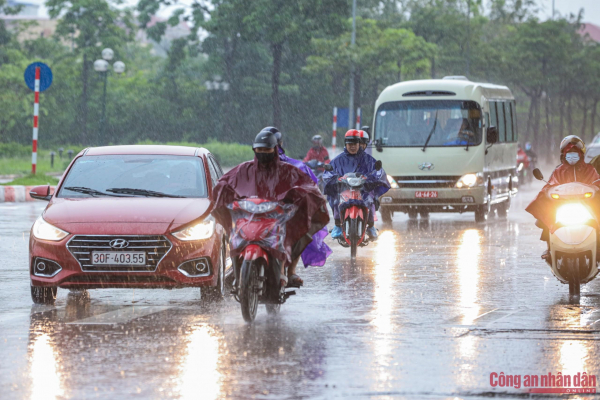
171 212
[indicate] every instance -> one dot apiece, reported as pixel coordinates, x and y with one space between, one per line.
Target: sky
564 7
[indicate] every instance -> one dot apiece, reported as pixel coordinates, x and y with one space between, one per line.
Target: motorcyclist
571 169
364 139
317 151
269 178
317 251
354 159
522 157
531 155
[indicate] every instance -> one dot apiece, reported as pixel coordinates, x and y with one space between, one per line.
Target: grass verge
33 180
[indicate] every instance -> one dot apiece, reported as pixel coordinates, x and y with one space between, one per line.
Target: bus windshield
437 123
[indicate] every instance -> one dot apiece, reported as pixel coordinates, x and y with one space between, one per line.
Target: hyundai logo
119 243
426 166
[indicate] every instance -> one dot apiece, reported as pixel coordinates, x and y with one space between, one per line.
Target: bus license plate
426 195
118 258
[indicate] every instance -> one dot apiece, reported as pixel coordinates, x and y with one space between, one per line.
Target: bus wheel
386 215
503 208
481 213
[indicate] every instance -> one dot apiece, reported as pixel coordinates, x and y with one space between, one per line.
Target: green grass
33 180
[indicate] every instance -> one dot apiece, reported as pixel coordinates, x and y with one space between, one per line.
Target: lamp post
102 65
214 86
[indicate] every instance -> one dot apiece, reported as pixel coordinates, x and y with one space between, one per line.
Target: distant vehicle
318 168
130 217
449 145
593 149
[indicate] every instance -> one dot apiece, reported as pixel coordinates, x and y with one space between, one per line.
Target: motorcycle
259 228
318 168
573 245
354 211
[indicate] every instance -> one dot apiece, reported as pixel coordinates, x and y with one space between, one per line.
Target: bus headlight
392 182
572 214
469 180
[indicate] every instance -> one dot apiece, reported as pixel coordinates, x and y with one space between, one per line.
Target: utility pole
352 44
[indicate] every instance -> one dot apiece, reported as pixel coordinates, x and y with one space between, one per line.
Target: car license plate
118 258
426 195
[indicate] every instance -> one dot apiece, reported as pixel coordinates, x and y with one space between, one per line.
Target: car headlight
392 182
469 180
572 214
200 231
45 231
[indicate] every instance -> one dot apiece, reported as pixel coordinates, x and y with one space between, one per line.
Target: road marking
120 316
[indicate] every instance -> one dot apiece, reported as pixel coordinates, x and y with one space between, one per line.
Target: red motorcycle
259 228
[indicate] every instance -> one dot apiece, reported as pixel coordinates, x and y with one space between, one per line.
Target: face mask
265 158
572 158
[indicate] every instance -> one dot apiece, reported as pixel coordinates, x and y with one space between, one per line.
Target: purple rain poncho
317 251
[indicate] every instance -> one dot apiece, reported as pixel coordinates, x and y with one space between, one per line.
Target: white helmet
572 139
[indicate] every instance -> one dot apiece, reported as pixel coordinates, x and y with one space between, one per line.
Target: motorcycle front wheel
249 289
574 278
353 238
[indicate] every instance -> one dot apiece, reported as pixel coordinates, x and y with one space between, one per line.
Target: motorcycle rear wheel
248 290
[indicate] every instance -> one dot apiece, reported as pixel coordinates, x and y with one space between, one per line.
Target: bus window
509 122
501 122
494 120
513 107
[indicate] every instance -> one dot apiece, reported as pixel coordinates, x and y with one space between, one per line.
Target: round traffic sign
45 76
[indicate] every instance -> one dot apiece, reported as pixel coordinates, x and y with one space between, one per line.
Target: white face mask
572 158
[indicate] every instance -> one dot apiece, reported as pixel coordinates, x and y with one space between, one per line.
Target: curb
17 194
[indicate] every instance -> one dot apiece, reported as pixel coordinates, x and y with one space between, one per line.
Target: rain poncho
275 181
377 183
317 251
542 207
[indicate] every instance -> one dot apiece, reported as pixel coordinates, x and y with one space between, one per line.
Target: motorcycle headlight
469 180
572 214
200 231
392 182
354 181
45 231
254 208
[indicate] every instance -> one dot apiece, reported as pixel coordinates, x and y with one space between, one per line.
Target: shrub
228 154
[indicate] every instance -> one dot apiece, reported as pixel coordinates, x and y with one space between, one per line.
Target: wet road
430 311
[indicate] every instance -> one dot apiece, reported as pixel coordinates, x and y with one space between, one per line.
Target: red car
130 217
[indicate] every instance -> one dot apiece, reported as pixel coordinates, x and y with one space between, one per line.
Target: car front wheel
217 293
43 294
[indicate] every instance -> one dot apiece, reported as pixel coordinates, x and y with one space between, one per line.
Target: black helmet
265 139
275 131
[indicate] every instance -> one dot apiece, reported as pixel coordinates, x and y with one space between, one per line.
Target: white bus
447 145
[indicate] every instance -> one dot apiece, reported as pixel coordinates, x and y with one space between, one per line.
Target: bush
14 150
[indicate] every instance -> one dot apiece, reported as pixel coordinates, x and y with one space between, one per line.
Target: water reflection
468 274
45 376
199 373
386 263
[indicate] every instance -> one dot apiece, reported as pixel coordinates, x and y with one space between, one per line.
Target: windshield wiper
90 191
141 192
431 133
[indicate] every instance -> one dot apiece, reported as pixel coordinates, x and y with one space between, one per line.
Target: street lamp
214 86
102 65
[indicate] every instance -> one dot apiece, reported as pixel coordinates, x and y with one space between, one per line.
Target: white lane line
120 316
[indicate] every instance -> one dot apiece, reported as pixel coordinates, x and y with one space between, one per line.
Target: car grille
156 247
426 182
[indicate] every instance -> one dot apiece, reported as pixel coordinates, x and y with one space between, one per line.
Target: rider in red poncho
269 178
572 169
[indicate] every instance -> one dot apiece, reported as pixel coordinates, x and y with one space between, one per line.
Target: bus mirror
378 146
492 135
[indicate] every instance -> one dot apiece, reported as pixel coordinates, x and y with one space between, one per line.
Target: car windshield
171 176
443 122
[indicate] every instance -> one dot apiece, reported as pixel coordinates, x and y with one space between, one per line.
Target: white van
447 145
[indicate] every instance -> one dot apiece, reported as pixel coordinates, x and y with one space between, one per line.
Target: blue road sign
342 117
45 76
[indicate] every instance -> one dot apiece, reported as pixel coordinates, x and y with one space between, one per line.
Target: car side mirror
41 193
538 174
492 135
366 129
378 165
328 167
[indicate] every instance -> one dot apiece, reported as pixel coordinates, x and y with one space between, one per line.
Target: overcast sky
564 7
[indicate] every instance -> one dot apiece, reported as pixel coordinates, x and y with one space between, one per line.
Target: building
591 31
